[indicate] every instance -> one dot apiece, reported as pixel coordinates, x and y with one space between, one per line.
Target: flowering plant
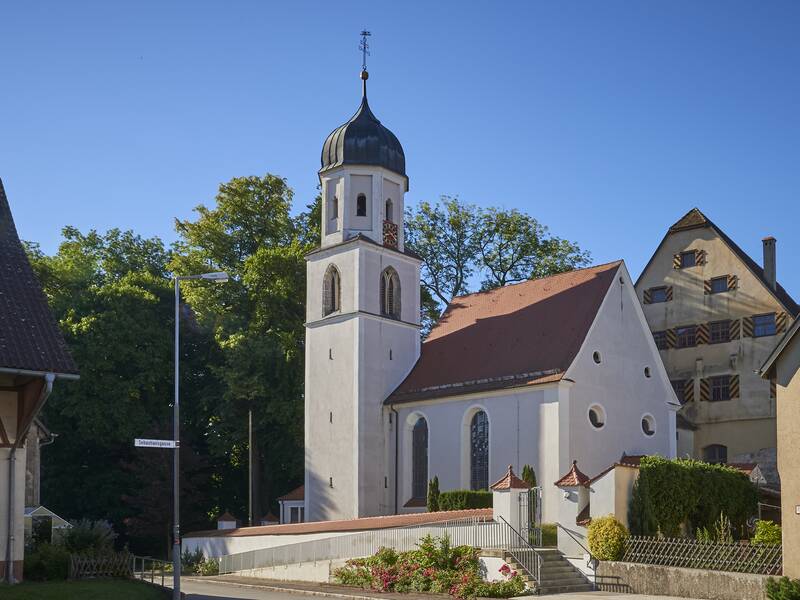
435 567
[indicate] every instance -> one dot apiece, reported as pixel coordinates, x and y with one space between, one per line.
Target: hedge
671 493
464 499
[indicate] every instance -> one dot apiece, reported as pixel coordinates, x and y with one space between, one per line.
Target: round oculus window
648 425
597 416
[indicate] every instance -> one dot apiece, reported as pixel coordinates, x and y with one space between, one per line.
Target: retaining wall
634 578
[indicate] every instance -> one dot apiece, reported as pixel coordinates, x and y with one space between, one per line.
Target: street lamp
219 277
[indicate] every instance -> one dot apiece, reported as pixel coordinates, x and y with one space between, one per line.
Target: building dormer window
331 291
361 205
389 215
390 293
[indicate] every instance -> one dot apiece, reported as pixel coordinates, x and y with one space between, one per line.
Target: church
540 373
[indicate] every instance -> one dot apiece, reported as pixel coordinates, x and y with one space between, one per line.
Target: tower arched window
331 291
361 205
390 293
419 459
479 451
389 210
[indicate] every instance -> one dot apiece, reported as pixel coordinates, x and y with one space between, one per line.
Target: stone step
559 577
566 589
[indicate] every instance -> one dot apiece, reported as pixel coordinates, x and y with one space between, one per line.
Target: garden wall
635 578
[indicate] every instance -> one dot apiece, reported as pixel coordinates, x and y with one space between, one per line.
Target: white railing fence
480 532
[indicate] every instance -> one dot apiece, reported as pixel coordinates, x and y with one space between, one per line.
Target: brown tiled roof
695 219
509 481
518 335
298 493
226 516
270 518
573 477
416 503
29 337
364 524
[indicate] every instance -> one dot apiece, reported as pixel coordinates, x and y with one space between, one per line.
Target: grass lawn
105 589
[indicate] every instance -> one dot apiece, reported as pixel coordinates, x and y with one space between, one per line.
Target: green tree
258 321
112 298
515 247
445 236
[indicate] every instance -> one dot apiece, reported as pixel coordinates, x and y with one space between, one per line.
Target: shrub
464 499
190 561
435 567
89 537
208 566
671 493
783 589
767 533
433 494
529 475
549 535
47 563
607 538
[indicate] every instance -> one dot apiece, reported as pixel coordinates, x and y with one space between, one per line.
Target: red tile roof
29 336
298 493
518 335
510 481
270 518
573 477
227 517
364 524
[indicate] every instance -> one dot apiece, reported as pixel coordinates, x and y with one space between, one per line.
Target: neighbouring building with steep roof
782 370
541 373
716 315
33 355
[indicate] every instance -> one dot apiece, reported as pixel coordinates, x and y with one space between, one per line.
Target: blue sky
605 120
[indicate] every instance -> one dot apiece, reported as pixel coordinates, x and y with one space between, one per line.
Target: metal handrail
157 569
593 560
523 553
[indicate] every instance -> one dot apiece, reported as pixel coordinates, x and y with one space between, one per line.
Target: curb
286 590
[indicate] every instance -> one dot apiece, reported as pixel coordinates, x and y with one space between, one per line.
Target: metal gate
530 516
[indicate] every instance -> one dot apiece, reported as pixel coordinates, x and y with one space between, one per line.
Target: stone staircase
558 574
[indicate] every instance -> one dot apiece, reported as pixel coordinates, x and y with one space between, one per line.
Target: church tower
362 321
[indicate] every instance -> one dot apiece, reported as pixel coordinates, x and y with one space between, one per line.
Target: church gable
518 335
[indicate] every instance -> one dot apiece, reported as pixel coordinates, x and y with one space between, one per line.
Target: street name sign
144 443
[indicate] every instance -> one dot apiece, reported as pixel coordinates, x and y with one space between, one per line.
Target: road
200 590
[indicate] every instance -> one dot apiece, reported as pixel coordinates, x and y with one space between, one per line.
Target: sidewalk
329 590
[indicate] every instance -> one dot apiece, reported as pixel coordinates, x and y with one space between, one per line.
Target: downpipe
12 469
396 455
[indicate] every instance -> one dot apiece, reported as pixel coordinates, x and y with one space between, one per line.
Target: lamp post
219 277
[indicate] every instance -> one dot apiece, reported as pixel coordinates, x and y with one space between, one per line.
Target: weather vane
364 47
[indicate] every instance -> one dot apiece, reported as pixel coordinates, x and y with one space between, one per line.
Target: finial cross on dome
364 47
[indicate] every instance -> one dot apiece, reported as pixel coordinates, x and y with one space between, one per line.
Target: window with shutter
720 388
764 325
719 285
780 322
733 282
688 259
720 331
688 391
658 294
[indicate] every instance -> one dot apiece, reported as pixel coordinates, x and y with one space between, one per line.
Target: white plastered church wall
523 429
619 385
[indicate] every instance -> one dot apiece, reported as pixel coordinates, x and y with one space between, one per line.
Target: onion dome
363 141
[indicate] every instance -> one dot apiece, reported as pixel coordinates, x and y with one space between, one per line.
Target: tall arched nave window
331 291
390 293
419 459
479 451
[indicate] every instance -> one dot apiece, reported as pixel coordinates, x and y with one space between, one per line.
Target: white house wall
618 384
